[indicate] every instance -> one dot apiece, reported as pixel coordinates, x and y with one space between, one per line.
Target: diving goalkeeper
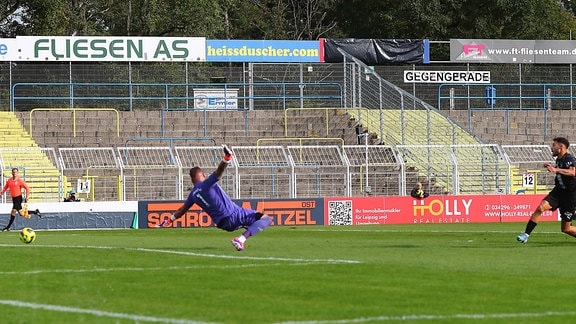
228 216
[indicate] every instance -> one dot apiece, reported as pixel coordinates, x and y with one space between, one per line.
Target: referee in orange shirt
15 184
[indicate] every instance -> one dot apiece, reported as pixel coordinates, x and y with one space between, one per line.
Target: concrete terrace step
38 171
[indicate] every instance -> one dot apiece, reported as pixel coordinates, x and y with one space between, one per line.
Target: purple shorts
241 219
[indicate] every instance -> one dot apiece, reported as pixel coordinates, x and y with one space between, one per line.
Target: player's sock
258 226
242 238
530 227
12 217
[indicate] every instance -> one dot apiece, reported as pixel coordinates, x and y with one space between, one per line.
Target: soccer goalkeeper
228 216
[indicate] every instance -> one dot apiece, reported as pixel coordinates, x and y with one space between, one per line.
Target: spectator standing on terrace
228 216
418 192
15 184
71 196
562 196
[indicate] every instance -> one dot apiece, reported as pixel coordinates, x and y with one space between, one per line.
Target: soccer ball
27 235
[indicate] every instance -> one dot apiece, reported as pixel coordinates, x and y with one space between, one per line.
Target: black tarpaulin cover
375 51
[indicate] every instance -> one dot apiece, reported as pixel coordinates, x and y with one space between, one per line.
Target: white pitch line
424 317
247 257
36 272
205 255
99 313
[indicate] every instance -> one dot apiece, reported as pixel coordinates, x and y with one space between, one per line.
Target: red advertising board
434 209
289 212
365 210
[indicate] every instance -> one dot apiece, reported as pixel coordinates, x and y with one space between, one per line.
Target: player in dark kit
563 195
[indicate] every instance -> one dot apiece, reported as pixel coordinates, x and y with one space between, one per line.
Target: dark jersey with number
563 181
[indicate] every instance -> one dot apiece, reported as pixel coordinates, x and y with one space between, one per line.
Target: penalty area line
99 313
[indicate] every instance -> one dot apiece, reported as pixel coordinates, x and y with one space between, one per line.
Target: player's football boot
237 244
165 223
523 238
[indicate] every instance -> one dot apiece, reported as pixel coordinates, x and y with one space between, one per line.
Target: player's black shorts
17 202
564 201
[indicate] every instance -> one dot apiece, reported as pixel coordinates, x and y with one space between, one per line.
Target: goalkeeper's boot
166 222
523 238
6 229
237 244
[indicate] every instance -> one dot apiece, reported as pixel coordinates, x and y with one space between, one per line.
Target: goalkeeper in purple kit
228 216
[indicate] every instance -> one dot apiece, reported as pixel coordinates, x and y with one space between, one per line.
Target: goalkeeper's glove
227 154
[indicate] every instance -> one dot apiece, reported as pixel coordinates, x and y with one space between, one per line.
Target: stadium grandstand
298 130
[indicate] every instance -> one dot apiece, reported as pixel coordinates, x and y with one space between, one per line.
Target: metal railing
364 89
161 173
507 97
130 96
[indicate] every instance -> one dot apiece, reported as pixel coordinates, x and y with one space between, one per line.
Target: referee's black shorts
17 202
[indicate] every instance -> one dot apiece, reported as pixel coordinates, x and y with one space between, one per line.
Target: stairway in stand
37 166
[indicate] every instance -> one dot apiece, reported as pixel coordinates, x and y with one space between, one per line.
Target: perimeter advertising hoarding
103 48
280 51
157 49
289 212
433 210
512 51
365 210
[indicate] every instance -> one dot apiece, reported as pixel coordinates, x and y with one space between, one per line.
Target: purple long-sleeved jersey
213 200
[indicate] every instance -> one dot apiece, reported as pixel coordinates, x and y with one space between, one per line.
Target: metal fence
351 84
390 109
151 77
161 173
169 96
126 173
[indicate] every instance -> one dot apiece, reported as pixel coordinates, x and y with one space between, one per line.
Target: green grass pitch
433 273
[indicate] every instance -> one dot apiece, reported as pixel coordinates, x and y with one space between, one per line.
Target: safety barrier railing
274 171
507 97
130 96
366 89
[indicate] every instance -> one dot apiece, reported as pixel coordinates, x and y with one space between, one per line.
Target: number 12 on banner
528 180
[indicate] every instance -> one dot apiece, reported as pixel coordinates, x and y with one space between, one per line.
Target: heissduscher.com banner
283 51
290 212
433 210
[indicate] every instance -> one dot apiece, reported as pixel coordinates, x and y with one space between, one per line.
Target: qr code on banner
340 212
